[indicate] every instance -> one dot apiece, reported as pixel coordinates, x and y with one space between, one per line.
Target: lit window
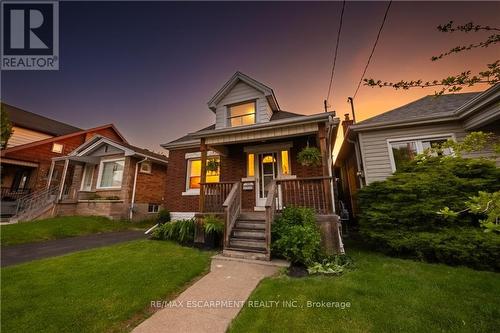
251 165
146 167
111 174
403 152
194 174
153 208
242 114
285 166
57 148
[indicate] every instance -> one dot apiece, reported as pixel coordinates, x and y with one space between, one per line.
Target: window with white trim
146 167
194 174
402 152
111 174
241 114
153 208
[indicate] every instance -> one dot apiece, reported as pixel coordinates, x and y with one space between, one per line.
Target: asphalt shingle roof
425 107
30 120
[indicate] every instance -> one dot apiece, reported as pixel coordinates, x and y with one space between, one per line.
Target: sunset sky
150 68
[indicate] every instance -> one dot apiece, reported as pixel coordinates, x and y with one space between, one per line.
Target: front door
268 171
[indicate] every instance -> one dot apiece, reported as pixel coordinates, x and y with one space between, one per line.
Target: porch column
203 176
51 172
63 178
324 163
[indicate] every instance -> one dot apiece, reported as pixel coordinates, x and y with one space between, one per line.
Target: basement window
153 208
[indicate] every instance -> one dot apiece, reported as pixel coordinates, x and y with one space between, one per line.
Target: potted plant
309 156
213 165
214 229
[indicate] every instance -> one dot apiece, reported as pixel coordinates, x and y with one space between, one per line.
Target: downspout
131 210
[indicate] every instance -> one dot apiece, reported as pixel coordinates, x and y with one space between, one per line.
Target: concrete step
252 216
255 244
244 254
250 225
248 233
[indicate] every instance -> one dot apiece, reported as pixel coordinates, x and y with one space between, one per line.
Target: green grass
386 295
105 289
63 227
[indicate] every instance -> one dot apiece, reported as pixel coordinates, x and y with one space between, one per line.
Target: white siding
239 93
21 136
375 152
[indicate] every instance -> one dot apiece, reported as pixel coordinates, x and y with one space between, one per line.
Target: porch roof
281 128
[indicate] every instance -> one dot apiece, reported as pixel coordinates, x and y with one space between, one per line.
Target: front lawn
62 227
385 294
105 289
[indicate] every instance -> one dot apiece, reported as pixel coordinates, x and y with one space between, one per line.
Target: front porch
256 180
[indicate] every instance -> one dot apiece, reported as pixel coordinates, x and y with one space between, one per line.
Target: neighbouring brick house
35 141
245 167
111 178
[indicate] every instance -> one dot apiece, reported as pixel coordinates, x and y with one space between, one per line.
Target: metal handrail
36 200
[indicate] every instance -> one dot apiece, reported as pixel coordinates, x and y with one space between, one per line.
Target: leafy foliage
6 128
213 165
309 156
296 236
163 216
181 231
491 74
331 265
404 214
213 224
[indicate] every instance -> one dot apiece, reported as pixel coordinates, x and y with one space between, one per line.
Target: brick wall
176 183
42 154
233 168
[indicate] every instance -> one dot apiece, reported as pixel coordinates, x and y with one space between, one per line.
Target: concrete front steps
247 239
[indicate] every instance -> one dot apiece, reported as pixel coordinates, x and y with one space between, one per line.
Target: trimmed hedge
399 215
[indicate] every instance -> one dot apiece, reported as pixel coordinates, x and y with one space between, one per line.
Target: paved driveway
16 254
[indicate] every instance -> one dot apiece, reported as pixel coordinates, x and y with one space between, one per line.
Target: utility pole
351 100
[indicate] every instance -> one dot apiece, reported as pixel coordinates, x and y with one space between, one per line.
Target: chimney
346 122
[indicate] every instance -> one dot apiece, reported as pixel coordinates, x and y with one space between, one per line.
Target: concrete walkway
16 254
211 303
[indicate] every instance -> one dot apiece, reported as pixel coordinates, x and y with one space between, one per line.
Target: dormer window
241 114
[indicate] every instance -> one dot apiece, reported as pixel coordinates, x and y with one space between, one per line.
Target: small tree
6 127
454 83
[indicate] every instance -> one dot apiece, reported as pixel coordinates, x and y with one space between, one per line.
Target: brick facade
43 154
233 167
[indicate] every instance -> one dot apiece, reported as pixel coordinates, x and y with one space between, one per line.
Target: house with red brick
45 173
245 166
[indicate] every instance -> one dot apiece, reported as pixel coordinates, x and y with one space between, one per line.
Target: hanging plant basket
213 165
309 156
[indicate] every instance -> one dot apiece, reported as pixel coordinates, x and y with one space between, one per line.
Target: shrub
331 265
404 214
163 216
213 225
453 246
296 236
181 231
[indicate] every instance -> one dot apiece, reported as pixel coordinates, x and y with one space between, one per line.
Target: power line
373 49
335 54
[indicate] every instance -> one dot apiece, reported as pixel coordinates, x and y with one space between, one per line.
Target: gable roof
35 122
62 137
428 106
190 140
240 77
97 140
